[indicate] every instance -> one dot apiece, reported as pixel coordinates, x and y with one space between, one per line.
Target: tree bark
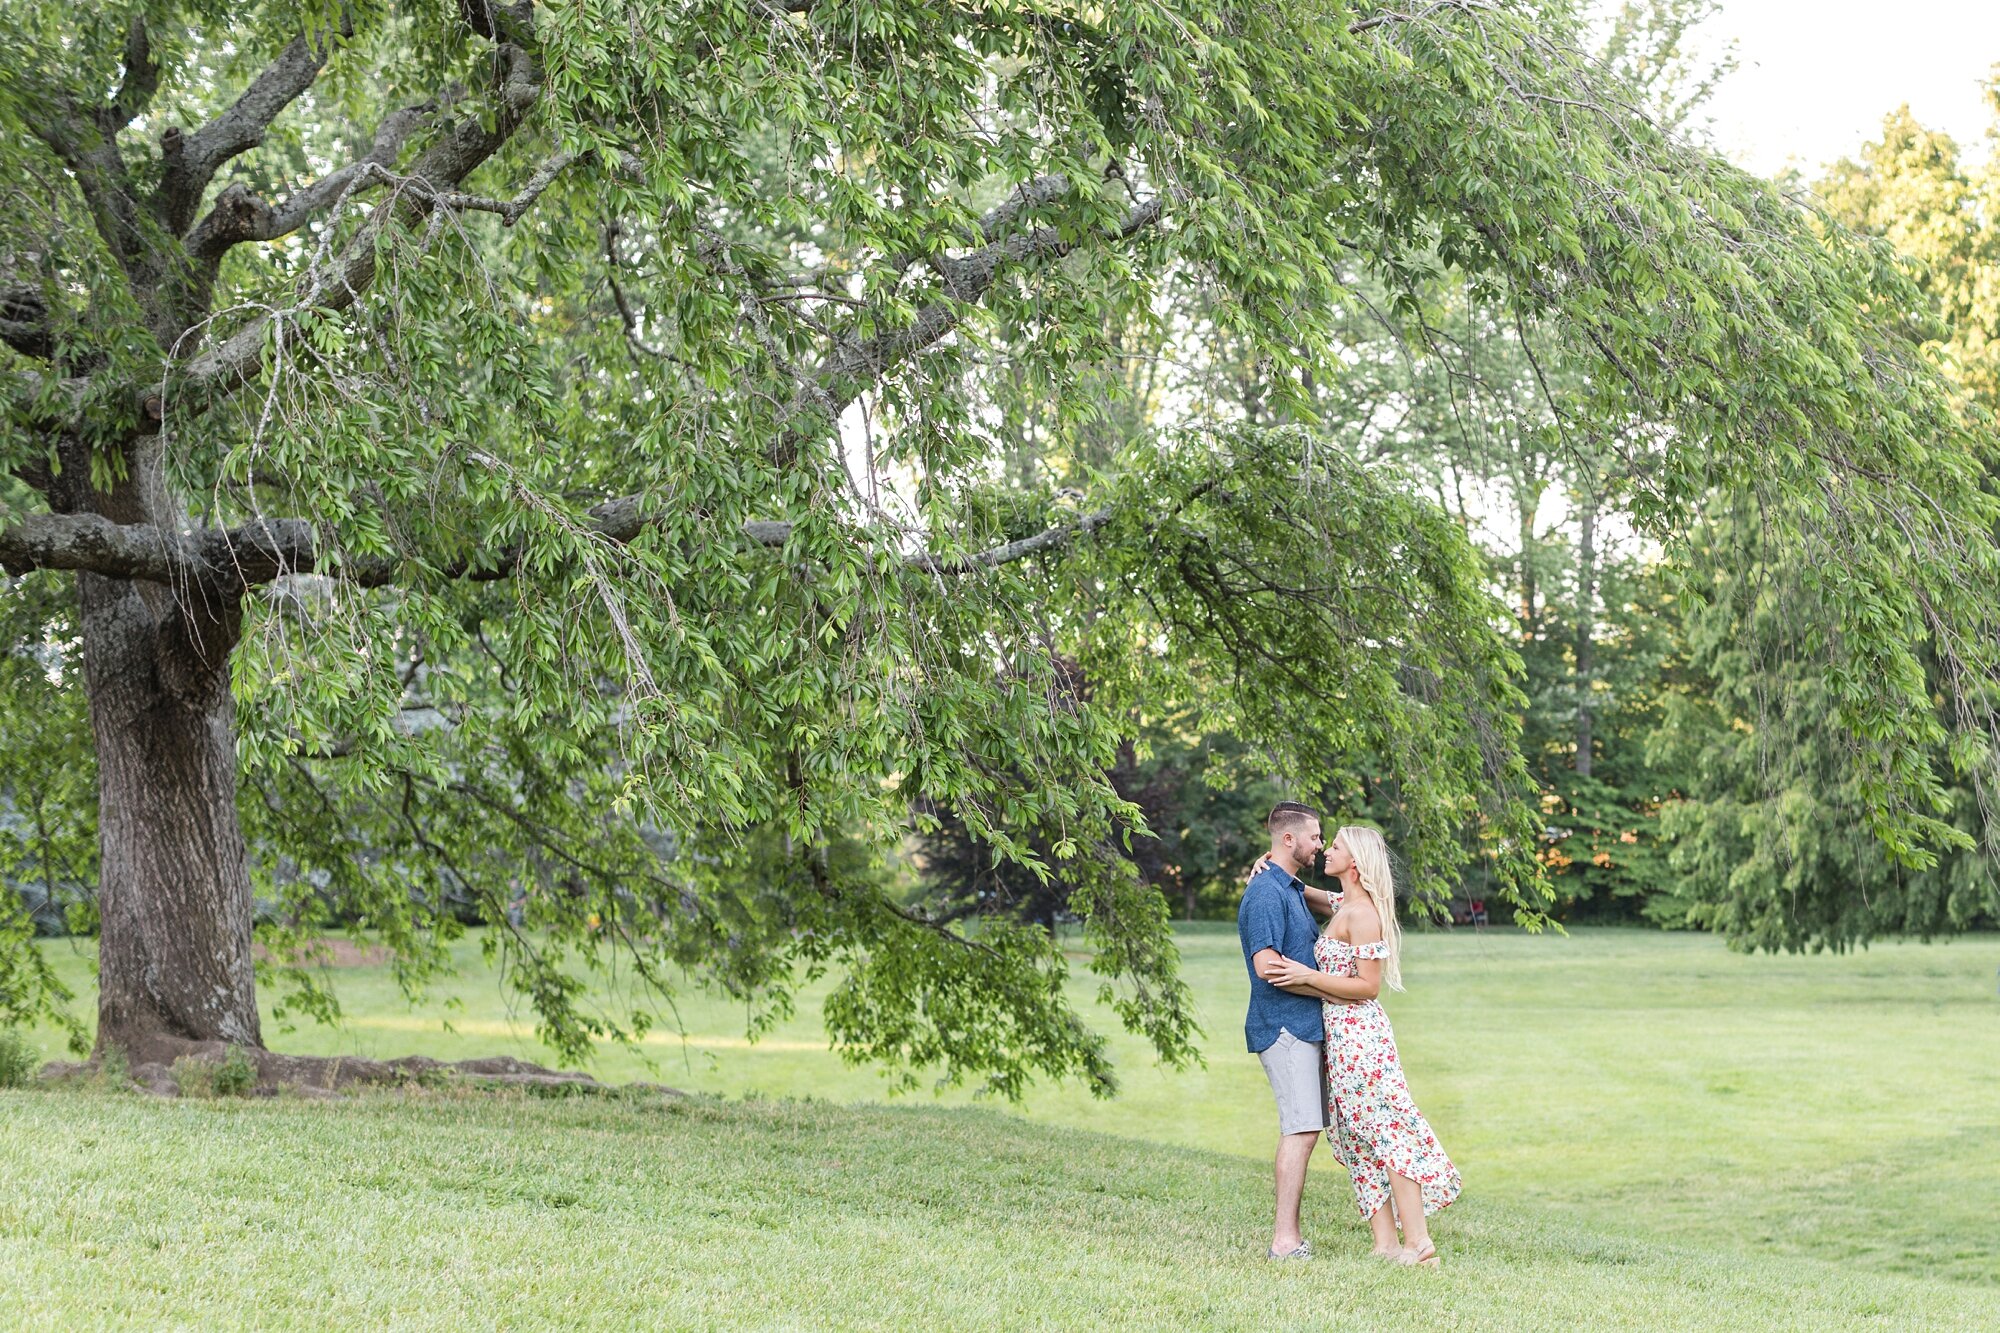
1586 618
1528 502
174 889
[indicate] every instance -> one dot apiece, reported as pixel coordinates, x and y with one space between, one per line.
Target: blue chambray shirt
1274 915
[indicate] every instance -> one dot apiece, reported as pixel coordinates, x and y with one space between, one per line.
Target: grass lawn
1654 1133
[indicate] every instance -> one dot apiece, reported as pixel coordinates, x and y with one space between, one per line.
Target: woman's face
1338 859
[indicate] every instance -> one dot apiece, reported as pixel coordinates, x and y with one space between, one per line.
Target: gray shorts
1297 1070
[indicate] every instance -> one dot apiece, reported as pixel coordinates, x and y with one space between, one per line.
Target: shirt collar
1291 881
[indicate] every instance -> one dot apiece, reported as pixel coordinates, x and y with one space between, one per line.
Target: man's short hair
1290 817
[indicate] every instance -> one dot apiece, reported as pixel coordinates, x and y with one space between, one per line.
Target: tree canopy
544 466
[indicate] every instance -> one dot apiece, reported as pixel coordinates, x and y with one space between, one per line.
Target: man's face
1306 844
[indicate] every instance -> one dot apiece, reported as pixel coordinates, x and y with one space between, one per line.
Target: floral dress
1372 1123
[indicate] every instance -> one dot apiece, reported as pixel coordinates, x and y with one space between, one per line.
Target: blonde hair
1378 880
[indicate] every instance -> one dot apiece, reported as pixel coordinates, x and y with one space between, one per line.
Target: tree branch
73 134
142 80
855 363
510 210
254 553
1396 16
263 550
1047 539
24 322
371 171
429 182
191 160
239 215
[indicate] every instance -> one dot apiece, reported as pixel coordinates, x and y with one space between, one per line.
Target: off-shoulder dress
1373 1125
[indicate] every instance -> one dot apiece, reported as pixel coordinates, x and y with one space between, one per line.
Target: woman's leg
1371 1199
1383 1224
1410 1211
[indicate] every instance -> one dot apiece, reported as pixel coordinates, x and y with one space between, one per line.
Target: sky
1817 76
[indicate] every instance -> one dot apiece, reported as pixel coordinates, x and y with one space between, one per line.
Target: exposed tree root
154 1066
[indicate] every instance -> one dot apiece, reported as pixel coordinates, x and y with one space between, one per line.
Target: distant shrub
17 1059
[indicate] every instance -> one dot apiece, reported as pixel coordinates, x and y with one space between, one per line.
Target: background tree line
1672 718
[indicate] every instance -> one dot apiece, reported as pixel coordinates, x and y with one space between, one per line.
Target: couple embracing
1324 1041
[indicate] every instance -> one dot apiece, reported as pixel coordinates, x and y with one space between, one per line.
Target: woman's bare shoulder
1364 923
1355 913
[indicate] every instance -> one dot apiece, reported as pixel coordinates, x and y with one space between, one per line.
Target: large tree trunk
174 890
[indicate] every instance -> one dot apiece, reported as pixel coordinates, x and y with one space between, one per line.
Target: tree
586 425
1769 843
1772 844
1912 189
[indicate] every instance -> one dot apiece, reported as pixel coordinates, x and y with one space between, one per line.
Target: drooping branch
429 184
263 550
857 362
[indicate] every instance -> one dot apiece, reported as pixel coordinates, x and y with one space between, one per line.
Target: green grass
1654 1133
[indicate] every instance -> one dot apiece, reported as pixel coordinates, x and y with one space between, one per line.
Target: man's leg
1294 1152
1298 1081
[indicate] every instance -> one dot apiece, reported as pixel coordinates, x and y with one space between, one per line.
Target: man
1284 1030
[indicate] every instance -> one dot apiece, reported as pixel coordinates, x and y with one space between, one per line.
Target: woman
1400 1174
